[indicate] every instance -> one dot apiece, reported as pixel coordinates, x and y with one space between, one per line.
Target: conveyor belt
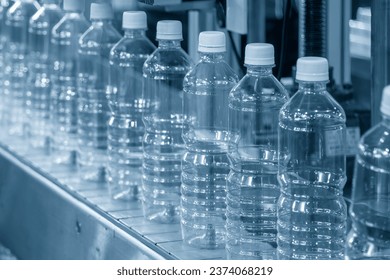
41 217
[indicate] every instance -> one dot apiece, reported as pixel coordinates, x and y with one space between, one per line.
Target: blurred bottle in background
119 7
93 112
205 165
369 237
15 62
252 185
4 6
64 43
126 128
38 84
312 129
163 146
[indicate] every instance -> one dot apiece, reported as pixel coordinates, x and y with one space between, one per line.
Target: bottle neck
101 22
50 6
79 13
214 57
165 44
312 86
259 70
134 33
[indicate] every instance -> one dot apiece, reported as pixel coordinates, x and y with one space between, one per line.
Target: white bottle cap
259 54
74 5
134 20
385 104
101 11
312 69
169 30
212 42
124 5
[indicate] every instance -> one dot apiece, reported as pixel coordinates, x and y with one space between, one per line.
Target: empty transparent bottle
369 237
205 165
93 112
163 146
38 85
15 62
252 185
4 6
64 43
126 128
311 209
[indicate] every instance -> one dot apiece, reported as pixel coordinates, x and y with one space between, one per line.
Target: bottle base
162 214
252 251
210 237
96 175
65 158
124 193
359 247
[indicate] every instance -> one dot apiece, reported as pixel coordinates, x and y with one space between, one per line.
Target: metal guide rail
45 213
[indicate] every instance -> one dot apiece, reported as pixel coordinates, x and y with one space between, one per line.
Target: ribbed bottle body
64 43
93 112
126 128
163 146
205 165
311 209
369 237
15 62
38 84
252 185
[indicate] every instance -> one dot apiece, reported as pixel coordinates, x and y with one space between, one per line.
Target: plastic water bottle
311 209
15 60
93 112
119 7
163 146
126 128
369 237
38 83
64 43
252 185
205 165
4 6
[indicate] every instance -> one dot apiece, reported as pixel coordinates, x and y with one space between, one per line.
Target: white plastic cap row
74 5
101 11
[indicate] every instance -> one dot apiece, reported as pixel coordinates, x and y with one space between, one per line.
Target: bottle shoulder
259 88
305 106
97 35
210 73
167 60
131 47
43 15
19 11
376 139
74 24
